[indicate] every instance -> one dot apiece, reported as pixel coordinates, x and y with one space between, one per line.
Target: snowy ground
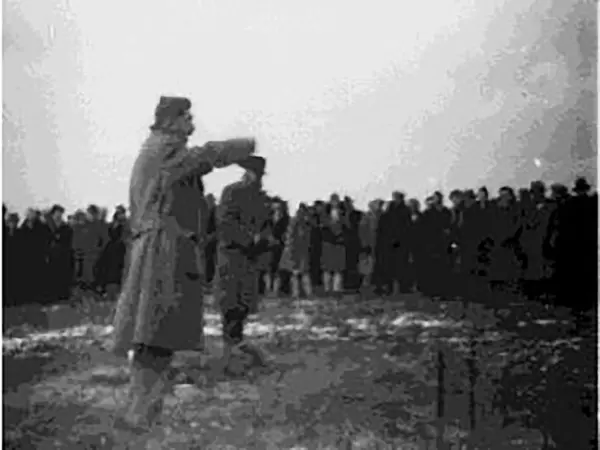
343 374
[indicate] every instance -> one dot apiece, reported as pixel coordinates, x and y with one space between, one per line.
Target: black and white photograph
300 225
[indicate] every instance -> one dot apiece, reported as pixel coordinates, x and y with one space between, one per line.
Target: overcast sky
357 97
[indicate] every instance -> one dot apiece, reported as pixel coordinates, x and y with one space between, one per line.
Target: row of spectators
542 241
46 256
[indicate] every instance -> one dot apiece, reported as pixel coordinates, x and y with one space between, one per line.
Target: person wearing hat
575 242
581 187
82 273
160 305
11 258
59 254
242 214
534 234
90 236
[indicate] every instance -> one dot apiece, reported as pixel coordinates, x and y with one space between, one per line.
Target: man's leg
233 274
307 285
149 384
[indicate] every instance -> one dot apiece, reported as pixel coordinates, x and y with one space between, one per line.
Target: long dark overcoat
161 301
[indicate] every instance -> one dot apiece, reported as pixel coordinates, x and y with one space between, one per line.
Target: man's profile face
184 124
250 177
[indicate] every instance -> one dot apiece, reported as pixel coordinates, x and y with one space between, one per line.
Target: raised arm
206 157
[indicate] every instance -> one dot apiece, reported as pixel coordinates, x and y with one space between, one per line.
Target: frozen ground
343 374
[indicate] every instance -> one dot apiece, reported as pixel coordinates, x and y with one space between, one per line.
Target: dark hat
120 208
537 186
171 107
254 164
559 189
57 208
581 185
456 193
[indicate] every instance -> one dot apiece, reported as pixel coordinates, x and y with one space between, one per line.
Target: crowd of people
160 256
47 255
542 242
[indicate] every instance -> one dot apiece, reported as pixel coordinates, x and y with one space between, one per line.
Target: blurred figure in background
507 228
112 260
415 243
333 258
368 241
353 218
277 225
318 213
535 217
12 264
34 239
59 254
97 236
436 224
82 273
296 255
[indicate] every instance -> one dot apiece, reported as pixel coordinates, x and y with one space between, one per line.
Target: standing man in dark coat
457 198
535 216
353 245
59 256
577 250
241 216
35 240
316 243
437 220
11 268
469 237
400 234
483 216
160 304
394 230
112 260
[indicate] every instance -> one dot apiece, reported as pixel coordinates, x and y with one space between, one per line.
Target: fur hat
254 164
171 107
